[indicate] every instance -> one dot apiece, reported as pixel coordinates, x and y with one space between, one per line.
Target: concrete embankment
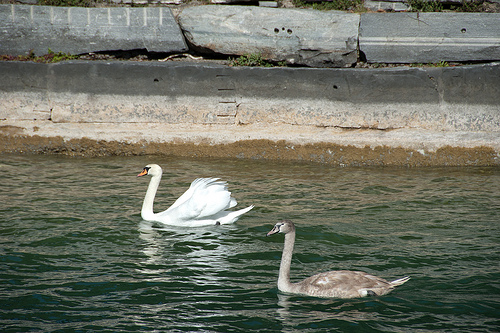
397 116
408 116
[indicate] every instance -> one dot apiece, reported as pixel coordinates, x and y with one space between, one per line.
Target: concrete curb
429 37
464 98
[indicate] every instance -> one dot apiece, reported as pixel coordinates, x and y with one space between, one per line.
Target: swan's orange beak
143 172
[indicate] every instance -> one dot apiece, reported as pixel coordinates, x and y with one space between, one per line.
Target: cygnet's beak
275 230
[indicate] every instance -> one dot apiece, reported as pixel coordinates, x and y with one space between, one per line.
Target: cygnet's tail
399 282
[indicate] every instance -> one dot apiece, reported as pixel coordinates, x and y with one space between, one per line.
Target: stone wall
411 116
295 36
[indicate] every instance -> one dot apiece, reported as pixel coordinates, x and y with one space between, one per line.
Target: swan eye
146 169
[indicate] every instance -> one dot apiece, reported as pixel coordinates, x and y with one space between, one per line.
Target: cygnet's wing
343 284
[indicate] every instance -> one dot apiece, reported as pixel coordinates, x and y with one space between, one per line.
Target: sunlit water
75 255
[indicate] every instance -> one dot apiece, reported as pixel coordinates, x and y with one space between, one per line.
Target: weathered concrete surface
429 37
304 37
465 98
333 146
78 30
402 116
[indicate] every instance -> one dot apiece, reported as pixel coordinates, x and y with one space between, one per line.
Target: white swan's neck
147 205
286 261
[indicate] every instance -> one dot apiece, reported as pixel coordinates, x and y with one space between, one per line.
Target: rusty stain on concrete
322 152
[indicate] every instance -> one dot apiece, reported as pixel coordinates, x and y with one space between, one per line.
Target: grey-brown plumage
338 284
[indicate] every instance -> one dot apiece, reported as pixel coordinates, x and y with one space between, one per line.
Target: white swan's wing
210 198
197 183
205 197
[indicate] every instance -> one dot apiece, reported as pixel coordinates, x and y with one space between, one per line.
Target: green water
75 255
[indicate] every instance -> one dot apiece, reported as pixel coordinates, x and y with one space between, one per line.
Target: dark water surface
75 255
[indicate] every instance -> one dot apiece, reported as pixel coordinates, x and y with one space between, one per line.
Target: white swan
338 284
204 203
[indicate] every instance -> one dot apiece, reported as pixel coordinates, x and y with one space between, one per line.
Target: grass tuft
253 60
50 57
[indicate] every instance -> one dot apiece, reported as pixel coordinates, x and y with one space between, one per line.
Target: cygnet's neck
286 261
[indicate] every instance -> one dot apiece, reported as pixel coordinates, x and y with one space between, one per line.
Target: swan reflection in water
184 266
293 311
196 254
153 249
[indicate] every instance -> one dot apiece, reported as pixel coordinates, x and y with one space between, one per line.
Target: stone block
82 30
297 36
429 37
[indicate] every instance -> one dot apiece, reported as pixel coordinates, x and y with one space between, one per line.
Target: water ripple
75 255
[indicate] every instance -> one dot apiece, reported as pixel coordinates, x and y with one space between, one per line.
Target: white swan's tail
399 282
233 216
